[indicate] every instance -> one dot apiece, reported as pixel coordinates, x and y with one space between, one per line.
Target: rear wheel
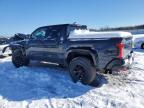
18 59
82 70
142 46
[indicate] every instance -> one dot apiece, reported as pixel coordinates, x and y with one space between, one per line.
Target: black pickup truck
83 51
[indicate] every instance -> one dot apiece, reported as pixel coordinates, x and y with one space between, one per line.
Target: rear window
76 27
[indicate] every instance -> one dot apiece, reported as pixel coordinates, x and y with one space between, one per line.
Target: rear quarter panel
105 47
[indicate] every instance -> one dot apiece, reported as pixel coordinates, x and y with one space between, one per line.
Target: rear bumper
129 60
121 64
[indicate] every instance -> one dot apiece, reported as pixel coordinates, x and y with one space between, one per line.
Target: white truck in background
138 41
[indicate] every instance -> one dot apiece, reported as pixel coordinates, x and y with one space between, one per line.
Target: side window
52 34
39 34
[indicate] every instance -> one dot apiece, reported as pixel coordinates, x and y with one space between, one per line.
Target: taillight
120 46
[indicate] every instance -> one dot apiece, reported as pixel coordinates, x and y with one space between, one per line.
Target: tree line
119 28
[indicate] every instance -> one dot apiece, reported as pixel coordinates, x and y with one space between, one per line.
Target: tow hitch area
120 66
121 71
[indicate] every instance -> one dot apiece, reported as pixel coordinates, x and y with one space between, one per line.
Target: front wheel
142 46
82 70
18 59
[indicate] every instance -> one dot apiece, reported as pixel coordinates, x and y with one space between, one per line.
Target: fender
4 49
16 46
84 51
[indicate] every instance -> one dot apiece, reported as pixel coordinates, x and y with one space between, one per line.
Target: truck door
35 44
51 47
44 45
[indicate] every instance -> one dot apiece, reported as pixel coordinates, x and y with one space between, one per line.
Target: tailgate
128 45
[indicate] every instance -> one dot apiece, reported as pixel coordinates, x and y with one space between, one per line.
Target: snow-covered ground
43 85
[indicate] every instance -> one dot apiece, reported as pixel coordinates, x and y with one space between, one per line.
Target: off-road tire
86 72
142 46
19 59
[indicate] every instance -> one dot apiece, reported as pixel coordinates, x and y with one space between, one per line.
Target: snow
138 36
43 85
89 34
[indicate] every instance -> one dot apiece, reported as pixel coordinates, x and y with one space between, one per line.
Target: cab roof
66 25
